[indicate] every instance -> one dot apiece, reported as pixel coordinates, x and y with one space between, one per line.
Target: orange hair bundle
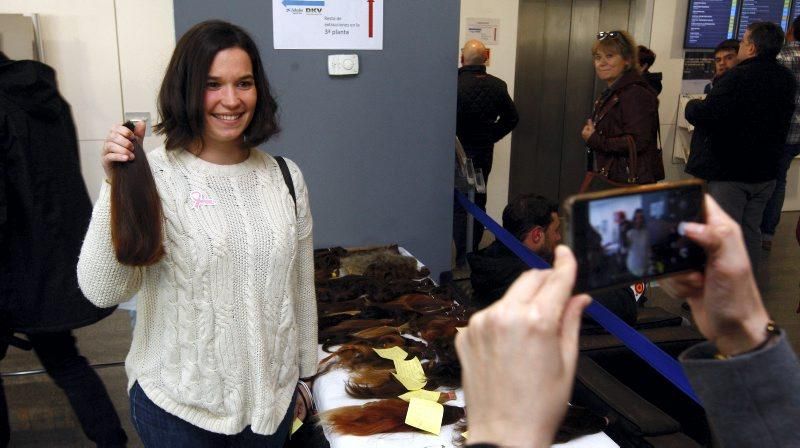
443 328
351 326
378 417
417 303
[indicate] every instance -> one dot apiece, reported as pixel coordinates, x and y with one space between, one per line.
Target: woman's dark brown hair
136 214
180 100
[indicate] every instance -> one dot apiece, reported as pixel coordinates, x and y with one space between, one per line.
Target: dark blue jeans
772 212
85 391
159 428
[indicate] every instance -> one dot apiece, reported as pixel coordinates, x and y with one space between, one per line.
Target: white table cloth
329 393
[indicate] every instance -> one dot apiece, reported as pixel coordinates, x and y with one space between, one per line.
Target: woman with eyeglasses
622 133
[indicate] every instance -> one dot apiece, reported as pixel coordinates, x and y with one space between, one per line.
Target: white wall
102 67
667 42
503 65
146 40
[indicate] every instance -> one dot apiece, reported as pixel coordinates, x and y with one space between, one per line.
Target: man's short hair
727 45
767 38
646 56
527 211
796 28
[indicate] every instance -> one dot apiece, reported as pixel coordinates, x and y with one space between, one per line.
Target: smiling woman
227 317
621 134
219 71
229 102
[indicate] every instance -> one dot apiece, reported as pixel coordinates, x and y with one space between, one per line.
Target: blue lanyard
640 345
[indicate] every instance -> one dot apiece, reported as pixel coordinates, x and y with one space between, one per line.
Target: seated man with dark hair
534 221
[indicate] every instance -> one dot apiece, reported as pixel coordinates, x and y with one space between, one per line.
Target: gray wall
375 149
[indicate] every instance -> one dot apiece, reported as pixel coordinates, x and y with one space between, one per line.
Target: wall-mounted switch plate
342 64
140 116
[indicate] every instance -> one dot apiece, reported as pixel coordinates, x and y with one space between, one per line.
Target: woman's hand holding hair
725 301
118 146
518 358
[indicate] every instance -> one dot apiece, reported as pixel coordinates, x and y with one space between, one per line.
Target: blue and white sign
327 24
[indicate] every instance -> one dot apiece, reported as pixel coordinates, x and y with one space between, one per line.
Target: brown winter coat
626 118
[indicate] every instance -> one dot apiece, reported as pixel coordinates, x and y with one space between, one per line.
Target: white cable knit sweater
228 317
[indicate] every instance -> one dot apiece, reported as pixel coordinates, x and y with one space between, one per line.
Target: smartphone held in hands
625 235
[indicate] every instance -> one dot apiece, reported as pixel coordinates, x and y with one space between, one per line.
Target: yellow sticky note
411 368
410 383
394 353
296 425
425 415
421 394
410 373
464 434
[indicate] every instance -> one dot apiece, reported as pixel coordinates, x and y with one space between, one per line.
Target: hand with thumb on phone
724 300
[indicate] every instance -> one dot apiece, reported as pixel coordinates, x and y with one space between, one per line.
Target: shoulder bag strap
633 160
287 177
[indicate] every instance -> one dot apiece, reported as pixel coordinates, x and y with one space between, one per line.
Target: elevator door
555 86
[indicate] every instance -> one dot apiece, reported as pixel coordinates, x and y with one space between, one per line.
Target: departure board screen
775 11
709 22
795 10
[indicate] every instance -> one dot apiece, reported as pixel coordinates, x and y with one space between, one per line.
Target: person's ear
536 235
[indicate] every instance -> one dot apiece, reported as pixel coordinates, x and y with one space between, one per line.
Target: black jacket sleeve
719 107
508 118
5 143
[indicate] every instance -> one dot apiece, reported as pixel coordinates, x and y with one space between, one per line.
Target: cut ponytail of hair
136 214
378 417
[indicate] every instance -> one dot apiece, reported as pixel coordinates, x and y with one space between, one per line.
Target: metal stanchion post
471 182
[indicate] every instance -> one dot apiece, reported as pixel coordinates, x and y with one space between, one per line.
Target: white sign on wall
327 24
485 30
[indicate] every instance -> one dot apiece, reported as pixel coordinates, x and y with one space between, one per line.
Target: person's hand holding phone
724 300
518 358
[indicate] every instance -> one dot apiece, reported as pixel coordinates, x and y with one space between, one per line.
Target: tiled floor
41 416
39 412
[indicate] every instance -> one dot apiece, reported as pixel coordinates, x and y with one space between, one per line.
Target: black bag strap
287 177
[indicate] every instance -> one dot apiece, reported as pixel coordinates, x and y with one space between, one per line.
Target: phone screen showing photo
622 239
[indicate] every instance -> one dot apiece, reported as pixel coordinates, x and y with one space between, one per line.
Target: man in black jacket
744 121
485 115
534 221
44 213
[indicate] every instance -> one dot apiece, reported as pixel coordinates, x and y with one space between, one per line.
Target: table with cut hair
382 298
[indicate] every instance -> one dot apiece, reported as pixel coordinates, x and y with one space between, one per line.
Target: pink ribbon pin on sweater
200 199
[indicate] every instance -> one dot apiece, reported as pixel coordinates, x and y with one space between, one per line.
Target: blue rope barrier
666 365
